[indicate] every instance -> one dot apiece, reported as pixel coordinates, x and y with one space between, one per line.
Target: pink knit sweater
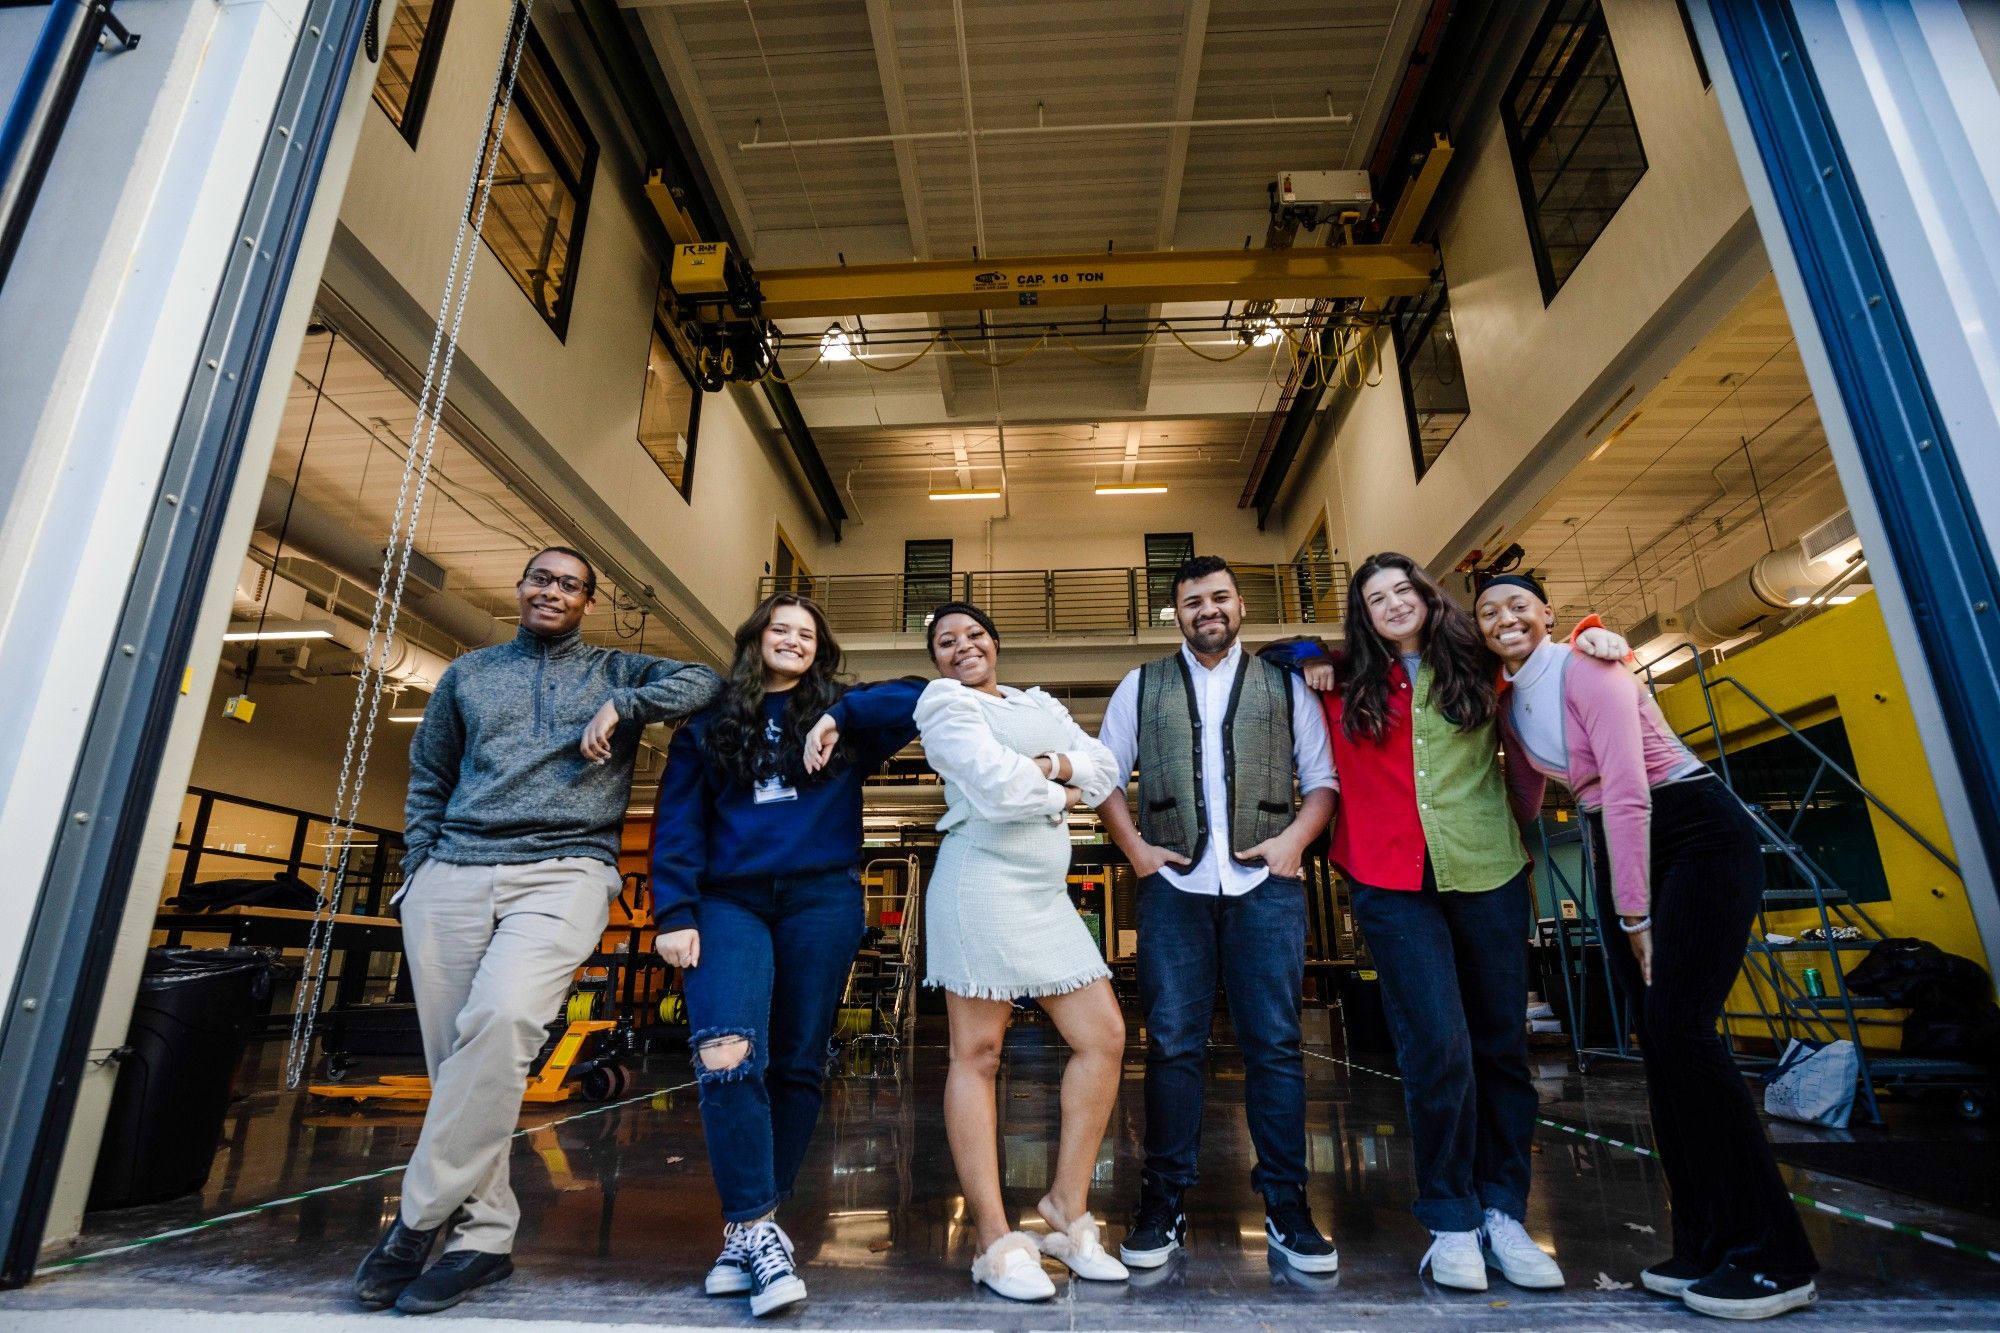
1616 748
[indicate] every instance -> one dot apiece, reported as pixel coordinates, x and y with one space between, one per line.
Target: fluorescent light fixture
967 493
247 631
406 717
1838 599
835 345
1131 488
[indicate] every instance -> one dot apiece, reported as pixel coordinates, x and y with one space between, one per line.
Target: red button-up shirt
1395 811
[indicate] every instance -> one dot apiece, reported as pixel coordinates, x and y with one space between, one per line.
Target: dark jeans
774 957
1257 943
1454 969
1730 1203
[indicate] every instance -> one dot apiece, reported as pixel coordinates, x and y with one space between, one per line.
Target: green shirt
1474 844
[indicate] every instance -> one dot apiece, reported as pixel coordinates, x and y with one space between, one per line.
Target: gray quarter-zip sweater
496 777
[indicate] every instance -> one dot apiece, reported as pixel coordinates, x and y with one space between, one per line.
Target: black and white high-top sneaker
774 1283
730 1274
1737 1293
1159 1227
1288 1227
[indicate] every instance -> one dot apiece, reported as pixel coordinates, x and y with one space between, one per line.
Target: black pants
1454 969
1730 1204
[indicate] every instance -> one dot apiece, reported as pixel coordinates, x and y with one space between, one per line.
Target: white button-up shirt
1218 871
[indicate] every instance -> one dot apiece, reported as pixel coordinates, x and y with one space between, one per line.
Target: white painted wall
571 406
1678 252
1051 527
290 751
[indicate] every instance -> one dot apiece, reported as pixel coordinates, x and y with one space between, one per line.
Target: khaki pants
492 951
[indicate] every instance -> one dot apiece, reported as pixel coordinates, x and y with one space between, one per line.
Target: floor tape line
1804 1201
269 1205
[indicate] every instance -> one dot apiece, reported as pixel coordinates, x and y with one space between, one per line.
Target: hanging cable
285 524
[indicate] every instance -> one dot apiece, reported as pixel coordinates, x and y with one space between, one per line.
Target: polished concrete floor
620 1219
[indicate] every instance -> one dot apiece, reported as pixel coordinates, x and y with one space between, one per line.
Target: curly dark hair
736 745
1462 669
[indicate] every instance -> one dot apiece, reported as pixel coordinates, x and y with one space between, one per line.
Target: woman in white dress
1000 925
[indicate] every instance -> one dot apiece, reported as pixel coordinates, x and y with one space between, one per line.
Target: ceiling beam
663 29
1194 39
1133 433
962 457
889 71
1376 272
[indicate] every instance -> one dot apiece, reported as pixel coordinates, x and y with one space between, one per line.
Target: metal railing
1784 1007
1062 601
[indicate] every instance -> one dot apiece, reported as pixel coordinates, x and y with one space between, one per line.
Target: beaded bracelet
1645 923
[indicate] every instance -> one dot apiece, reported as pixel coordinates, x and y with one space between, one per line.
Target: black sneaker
1671 1277
1159 1227
1735 1293
1288 1226
774 1282
456 1275
392 1265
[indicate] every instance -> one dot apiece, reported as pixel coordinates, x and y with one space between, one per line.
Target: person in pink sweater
1679 869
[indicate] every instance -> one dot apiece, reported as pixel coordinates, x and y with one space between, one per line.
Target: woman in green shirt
1425 834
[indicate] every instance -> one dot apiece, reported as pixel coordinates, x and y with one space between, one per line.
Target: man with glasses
519 777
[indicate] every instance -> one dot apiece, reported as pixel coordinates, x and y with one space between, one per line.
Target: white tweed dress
999 923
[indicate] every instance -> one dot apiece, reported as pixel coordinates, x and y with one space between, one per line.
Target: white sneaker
1080 1246
1515 1254
1012 1267
1455 1261
730 1274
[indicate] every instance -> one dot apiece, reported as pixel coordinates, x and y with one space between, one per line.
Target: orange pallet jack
564 1074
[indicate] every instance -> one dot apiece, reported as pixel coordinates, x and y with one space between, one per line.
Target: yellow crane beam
1139 278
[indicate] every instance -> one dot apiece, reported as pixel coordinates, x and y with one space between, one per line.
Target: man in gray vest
1222 740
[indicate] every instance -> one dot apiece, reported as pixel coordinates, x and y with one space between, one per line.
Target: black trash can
1362 1015
188 1032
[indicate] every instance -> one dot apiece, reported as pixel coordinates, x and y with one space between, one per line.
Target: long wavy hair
1462 670
736 745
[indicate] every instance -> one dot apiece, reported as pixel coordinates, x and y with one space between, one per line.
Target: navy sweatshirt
706 829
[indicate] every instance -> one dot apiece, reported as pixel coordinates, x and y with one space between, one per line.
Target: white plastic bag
1814 1084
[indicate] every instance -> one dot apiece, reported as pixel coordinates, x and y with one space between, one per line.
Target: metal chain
396 561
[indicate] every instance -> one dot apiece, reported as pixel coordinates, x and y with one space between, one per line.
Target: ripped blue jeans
774 956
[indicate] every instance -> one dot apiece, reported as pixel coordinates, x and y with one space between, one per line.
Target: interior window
409 61
1576 145
541 164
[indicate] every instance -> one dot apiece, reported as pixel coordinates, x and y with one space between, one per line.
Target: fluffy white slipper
1081 1247
1012 1267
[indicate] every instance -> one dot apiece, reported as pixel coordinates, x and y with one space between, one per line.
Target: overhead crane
712 282
724 309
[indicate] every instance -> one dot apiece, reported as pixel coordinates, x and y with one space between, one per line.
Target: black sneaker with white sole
1739 1293
774 1282
1671 1277
1159 1227
730 1274
1288 1226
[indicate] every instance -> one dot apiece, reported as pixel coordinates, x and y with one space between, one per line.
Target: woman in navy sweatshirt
757 896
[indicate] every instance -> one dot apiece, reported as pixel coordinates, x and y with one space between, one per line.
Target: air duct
1774 583
317 535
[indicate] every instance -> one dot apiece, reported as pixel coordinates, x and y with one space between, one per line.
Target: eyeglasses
542 578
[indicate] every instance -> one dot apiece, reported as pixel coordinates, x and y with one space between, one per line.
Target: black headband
984 621
1528 581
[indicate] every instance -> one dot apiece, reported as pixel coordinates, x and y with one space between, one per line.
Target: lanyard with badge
772 788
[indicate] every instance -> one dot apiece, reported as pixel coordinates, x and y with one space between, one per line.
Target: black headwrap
979 617
1528 581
